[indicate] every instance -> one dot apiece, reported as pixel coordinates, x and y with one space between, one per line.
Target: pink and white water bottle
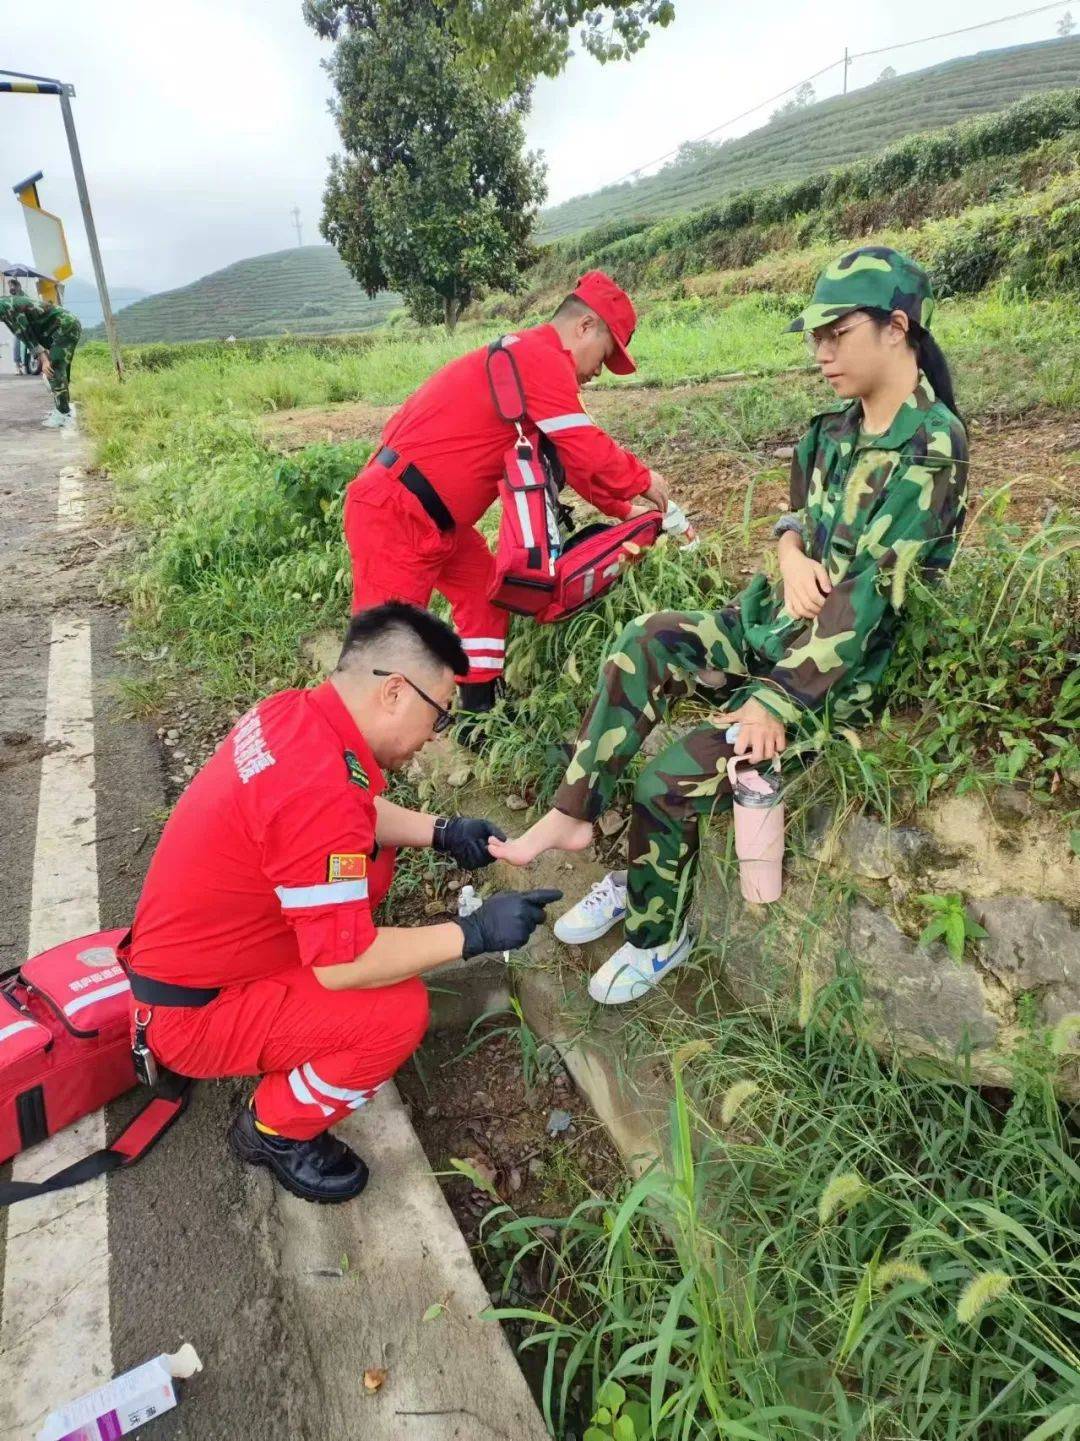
758 812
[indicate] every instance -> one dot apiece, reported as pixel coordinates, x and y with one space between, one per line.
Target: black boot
323 1169
479 697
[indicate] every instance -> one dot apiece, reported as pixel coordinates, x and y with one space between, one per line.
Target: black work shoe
323 1169
478 697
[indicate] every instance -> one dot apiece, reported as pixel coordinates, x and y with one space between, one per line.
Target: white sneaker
55 421
595 914
632 971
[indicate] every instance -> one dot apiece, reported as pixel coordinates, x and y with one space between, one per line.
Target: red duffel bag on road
538 572
65 1051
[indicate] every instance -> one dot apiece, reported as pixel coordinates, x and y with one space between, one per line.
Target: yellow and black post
14 83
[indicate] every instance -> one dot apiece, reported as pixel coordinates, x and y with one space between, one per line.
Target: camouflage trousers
61 353
656 663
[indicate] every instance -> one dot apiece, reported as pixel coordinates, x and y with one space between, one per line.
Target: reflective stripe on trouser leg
652 666
676 789
465 579
330 1051
303 1102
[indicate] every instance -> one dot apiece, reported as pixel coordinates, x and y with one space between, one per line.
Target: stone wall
1007 857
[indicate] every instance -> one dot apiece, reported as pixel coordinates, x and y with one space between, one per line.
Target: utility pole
24 84
295 213
847 62
66 92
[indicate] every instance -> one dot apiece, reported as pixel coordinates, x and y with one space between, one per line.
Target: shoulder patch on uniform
346 867
357 774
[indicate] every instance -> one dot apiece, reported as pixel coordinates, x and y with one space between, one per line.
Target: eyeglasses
443 717
832 336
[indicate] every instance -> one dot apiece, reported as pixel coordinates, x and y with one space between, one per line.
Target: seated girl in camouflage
54 333
877 486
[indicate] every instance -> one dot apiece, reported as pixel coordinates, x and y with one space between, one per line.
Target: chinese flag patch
346 868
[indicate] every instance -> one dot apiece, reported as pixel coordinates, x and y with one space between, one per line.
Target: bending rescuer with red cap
410 515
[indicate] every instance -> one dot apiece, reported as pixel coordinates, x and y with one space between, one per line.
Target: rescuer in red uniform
410 515
254 950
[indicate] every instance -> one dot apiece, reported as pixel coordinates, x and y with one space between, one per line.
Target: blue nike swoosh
658 965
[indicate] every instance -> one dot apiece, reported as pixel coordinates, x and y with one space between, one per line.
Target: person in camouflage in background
54 332
878 491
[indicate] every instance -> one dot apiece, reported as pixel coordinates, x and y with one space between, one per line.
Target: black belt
417 483
164 993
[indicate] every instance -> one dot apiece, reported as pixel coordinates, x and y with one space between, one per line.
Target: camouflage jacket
872 507
39 324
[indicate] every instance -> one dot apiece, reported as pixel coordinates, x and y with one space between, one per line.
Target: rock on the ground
922 993
869 848
1032 946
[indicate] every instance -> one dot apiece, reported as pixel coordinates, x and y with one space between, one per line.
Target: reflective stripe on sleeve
486 662
575 421
334 893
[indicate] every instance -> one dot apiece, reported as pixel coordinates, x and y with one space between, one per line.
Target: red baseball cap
615 308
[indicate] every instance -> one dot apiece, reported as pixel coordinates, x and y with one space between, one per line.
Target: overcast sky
202 122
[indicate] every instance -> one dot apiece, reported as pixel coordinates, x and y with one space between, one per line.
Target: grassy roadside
837 1249
852 1251
240 551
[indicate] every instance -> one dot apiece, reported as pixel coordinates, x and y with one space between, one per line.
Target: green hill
81 298
303 291
831 133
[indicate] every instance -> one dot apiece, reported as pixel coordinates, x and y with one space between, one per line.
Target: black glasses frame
443 718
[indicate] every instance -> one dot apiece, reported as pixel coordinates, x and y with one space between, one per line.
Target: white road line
70 499
55 1337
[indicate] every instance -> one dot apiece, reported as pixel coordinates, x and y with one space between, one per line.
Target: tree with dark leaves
434 195
513 41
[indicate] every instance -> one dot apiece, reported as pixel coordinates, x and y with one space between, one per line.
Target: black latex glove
466 840
505 922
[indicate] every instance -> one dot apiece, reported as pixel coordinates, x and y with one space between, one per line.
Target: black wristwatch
438 839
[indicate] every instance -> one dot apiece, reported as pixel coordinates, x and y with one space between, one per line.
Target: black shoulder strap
137 1138
504 381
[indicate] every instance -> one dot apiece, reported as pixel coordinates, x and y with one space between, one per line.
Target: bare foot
553 832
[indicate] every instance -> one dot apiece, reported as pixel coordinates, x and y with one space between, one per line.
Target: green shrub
895 187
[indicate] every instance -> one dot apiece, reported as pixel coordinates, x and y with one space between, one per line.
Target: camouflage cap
875 278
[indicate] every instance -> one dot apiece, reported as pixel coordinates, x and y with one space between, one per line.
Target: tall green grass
835 1248
984 687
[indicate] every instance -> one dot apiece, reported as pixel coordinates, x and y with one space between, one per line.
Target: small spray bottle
468 902
675 523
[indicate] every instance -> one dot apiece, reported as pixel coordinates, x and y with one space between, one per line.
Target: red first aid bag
65 1050
537 573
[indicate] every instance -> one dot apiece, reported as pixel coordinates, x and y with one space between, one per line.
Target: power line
846 60
734 119
964 30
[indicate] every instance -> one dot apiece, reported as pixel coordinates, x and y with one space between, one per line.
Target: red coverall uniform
267 868
450 430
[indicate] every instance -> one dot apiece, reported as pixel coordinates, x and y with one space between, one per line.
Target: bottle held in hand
758 812
676 523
